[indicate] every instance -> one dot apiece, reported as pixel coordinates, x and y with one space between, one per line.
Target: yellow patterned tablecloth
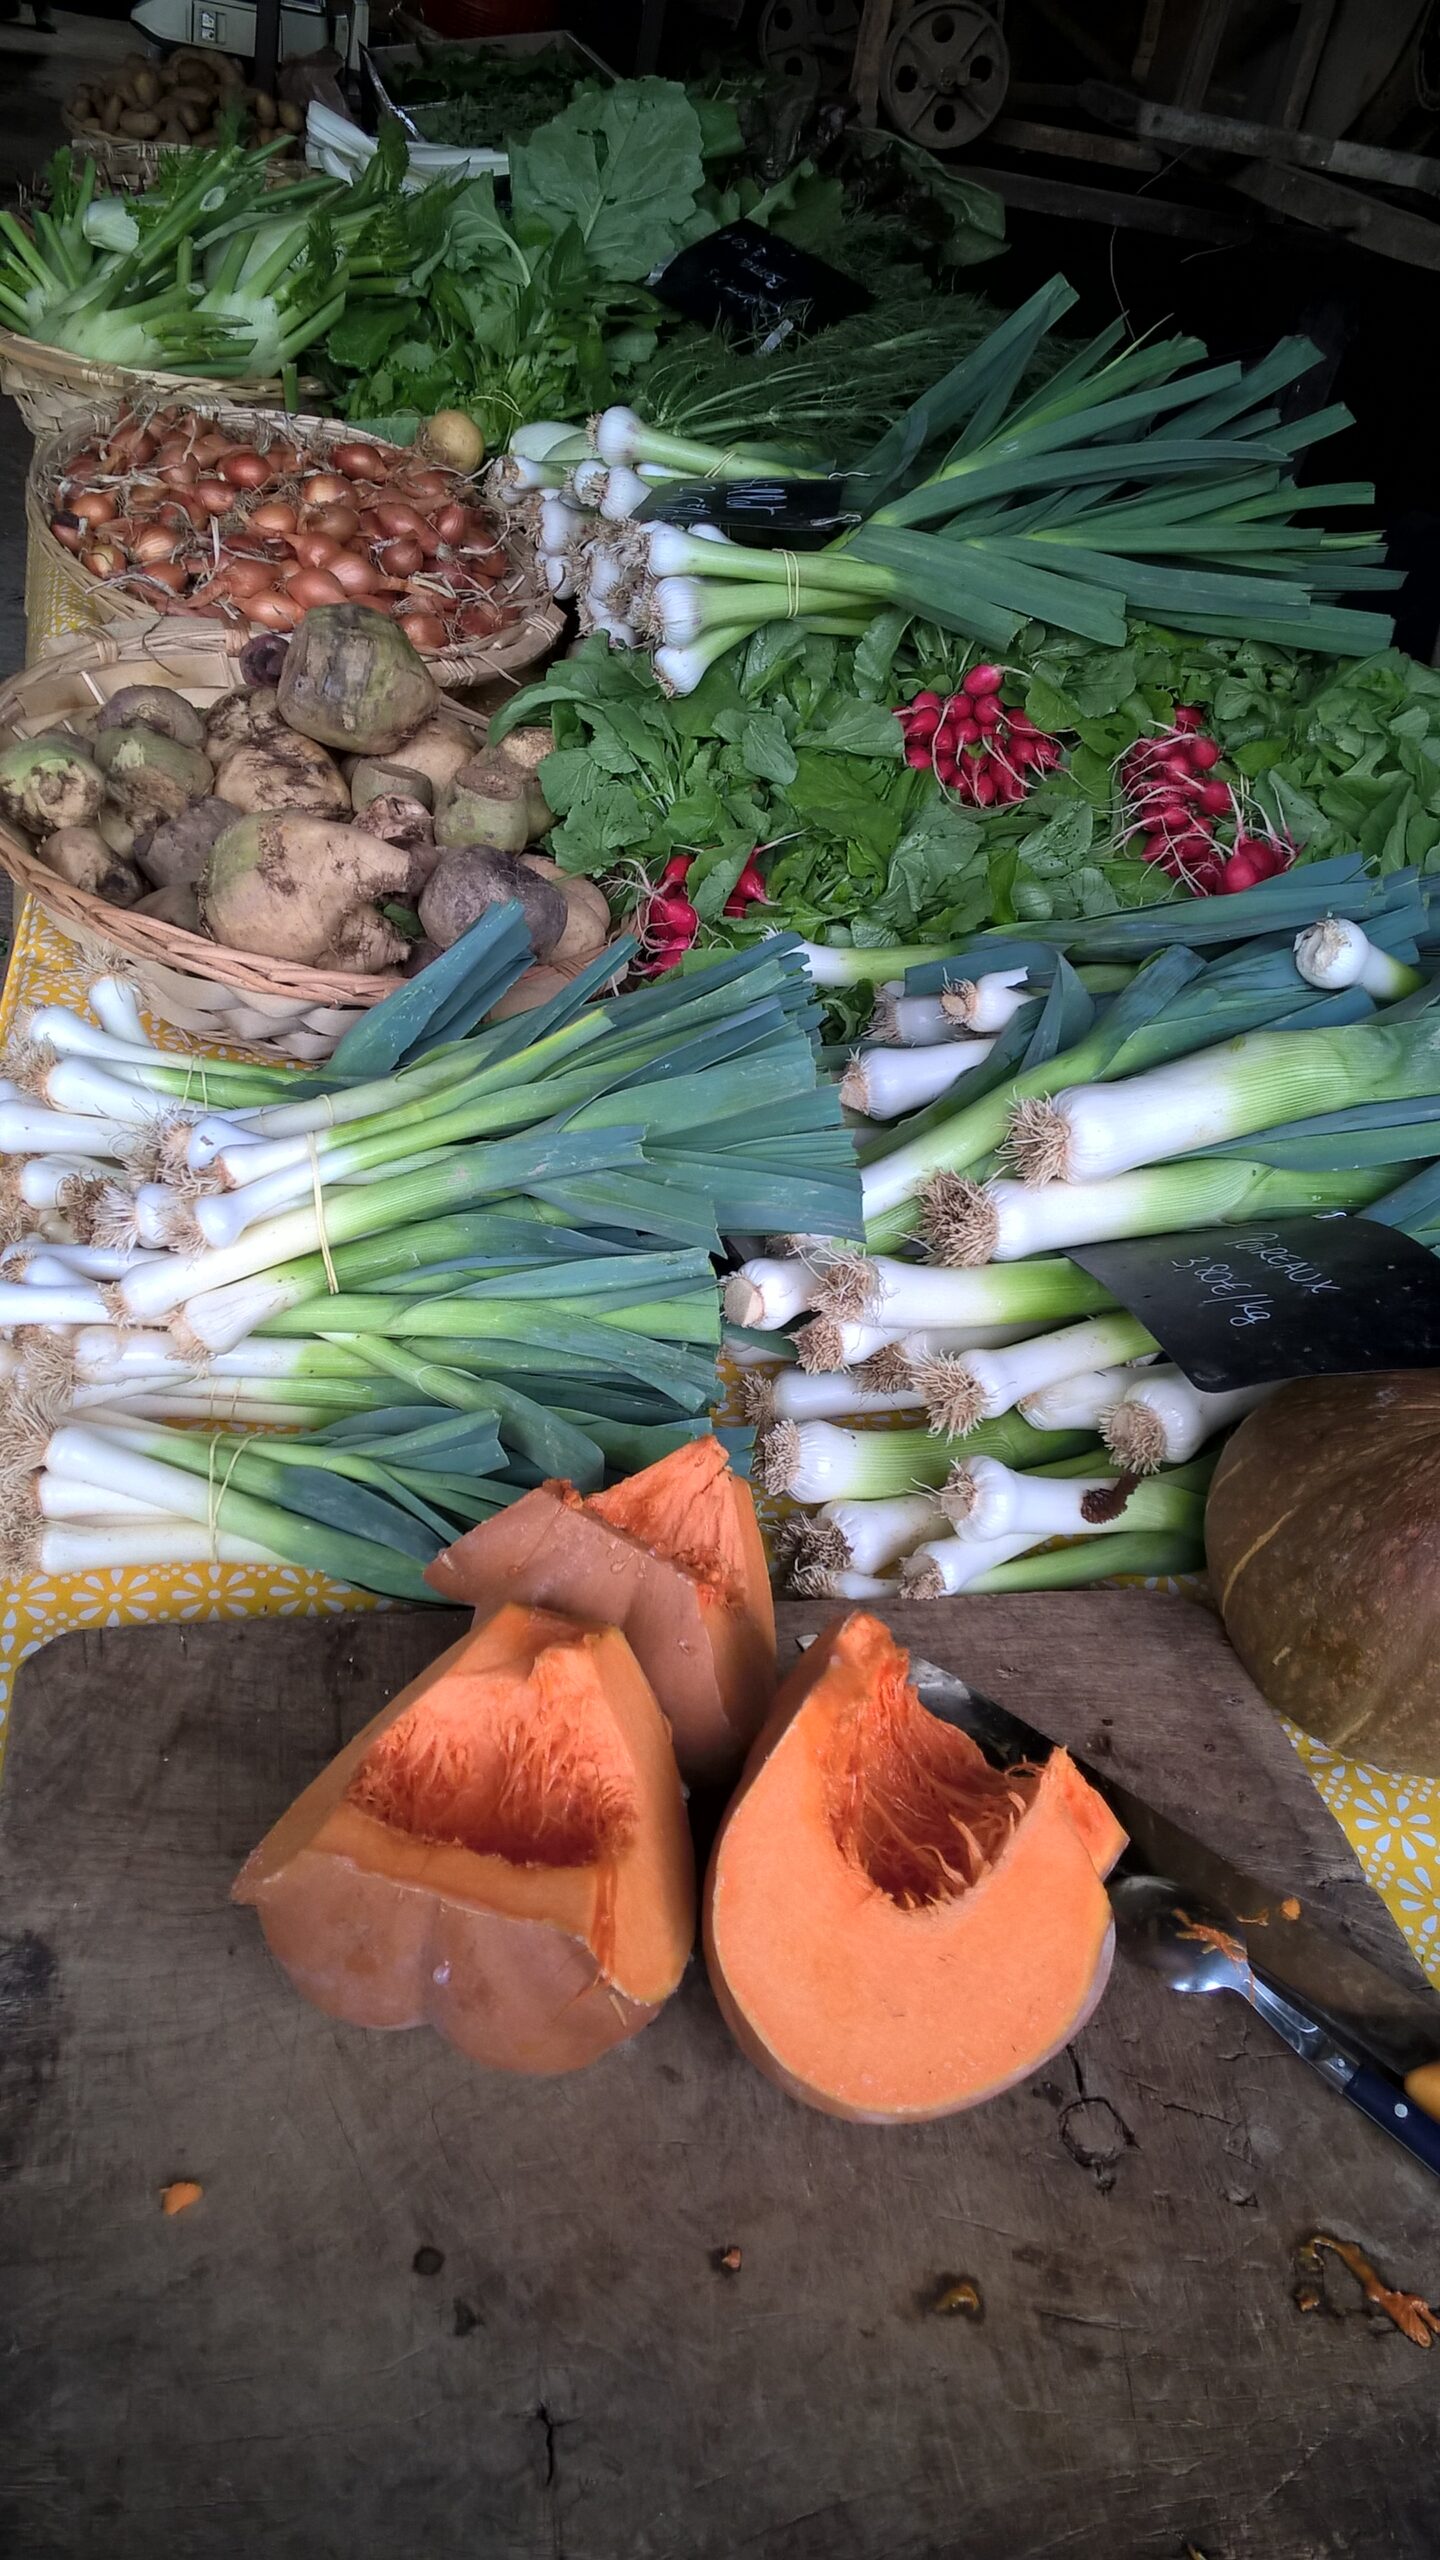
1392 1823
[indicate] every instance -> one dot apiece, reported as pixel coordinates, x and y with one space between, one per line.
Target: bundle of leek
1138 479
503 1238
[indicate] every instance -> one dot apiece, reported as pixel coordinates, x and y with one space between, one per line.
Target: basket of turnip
267 835
253 517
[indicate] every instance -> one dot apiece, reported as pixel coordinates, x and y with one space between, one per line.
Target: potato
299 888
140 124
284 771
471 877
242 720
151 776
536 987
145 87
82 856
492 800
587 927
180 848
438 749
369 780
175 904
158 708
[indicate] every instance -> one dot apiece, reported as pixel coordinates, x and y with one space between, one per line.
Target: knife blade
1343 1990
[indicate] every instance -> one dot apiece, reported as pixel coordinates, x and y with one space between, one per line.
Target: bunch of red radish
257 526
668 921
1176 801
975 744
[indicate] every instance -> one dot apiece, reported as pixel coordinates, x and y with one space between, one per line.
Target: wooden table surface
426 2312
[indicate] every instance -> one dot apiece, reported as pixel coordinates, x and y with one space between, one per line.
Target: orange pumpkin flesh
674 1557
501 1854
894 1929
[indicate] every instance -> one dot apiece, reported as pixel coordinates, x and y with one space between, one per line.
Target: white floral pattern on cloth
1391 1823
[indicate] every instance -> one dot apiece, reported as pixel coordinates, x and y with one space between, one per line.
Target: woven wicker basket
128 168
63 601
200 986
50 387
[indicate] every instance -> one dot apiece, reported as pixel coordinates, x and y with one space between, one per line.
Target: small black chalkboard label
1298 1298
749 280
798 515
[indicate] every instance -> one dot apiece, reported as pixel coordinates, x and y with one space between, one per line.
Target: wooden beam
1383 228
865 68
1206 36
1232 135
1103 204
1302 62
1066 142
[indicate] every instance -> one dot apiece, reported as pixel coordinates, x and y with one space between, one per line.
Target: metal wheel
809 39
944 74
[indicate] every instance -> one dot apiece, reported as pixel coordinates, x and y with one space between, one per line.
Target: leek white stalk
988 1003
623 495
983 1500
915 1022
20 1304
841 964
84 1085
765 1293
906 1294
28 1129
89 1262
884 1084
45 1182
876 1534
1161 1419
1335 953
821 1582
61 1498
114 1004
162 1539
814 1462
1079 1403
560 526
825 1343
801 1395
981 1385
968 1224
944 1566
1092 1131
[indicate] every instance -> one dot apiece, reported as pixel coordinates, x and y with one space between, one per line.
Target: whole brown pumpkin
1322 1534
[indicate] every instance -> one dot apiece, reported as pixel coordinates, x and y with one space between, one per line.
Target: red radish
987 712
986 788
919 758
1214 799
1204 752
1242 871
983 680
927 702
1188 715
676 870
749 890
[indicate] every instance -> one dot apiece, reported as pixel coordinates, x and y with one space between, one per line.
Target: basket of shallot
252 518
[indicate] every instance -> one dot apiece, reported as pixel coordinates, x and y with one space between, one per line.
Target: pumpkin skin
1322 1535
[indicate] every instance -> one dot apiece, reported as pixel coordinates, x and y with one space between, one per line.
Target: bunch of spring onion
1136 480
1296 1072
457 1261
205 272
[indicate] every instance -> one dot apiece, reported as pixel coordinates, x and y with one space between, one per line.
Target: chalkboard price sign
1303 1297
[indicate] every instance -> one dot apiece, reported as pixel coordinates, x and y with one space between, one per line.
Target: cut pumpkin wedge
501 1854
895 1929
674 1557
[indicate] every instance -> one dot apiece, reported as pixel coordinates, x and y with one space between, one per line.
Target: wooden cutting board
425 2312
